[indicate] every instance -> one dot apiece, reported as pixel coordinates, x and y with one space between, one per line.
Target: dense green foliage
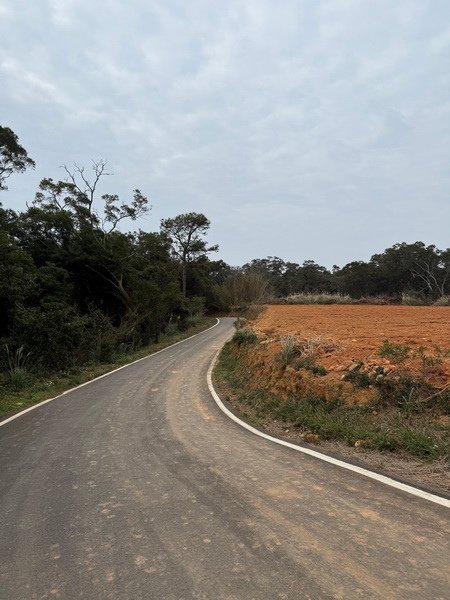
415 270
75 290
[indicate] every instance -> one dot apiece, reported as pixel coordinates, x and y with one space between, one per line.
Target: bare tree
434 274
242 288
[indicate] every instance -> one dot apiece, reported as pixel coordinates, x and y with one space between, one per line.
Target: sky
305 129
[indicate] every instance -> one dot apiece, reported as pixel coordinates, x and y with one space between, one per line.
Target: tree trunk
184 279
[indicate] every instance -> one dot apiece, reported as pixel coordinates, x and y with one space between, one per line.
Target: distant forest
74 288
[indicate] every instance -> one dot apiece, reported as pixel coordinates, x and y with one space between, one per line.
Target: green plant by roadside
244 337
32 389
19 376
393 426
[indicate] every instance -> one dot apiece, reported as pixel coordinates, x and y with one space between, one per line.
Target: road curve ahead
137 487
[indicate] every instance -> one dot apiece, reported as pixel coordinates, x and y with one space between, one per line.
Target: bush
244 337
413 299
318 370
19 378
171 328
319 298
442 301
358 378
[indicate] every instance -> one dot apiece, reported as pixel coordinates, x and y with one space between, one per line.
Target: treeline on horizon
74 289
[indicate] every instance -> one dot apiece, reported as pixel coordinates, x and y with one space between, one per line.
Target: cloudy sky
302 129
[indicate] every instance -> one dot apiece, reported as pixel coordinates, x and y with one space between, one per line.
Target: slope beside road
137 486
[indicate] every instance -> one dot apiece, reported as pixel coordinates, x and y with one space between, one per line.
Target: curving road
137 487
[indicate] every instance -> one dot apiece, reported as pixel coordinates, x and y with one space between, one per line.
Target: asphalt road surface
138 487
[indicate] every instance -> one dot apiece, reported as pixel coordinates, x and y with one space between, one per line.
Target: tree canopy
13 156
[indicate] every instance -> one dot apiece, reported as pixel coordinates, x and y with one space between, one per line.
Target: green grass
390 429
42 388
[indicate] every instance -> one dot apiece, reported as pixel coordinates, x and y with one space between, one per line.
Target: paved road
137 487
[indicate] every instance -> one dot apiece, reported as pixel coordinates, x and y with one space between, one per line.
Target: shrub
413 299
244 337
19 378
318 370
396 352
358 378
171 328
442 301
319 298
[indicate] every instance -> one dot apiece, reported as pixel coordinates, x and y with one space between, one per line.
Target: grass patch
390 429
245 337
26 392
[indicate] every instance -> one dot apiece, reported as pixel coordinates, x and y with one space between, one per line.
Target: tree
13 156
186 233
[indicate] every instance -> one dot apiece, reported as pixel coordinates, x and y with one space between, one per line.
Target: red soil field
358 331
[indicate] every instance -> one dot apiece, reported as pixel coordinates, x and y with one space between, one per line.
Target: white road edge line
26 410
334 461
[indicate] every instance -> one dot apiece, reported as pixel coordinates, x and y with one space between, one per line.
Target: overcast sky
302 129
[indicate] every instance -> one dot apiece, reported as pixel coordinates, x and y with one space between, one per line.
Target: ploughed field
377 340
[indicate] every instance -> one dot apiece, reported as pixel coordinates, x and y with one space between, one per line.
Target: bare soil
346 335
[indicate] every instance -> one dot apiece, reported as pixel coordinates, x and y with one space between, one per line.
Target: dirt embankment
369 382
345 339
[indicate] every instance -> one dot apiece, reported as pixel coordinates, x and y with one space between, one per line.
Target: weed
358 378
395 352
318 370
289 350
432 361
240 323
304 362
244 337
253 311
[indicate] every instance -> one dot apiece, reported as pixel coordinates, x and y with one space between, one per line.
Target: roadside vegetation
21 387
403 413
